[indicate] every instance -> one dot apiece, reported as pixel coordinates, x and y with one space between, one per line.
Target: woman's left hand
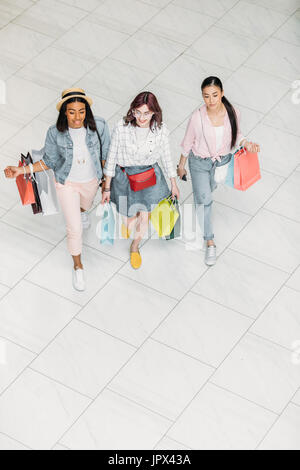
252 147
175 192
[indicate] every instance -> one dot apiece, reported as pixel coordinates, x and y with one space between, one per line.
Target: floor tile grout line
275 422
284 131
53 293
231 392
78 8
282 215
288 16
149 287
11 341
256 213
124 365
105 253
30 81
176 442
52 379
172 348
29 233
220 365
292 288
13 439
52 248
147 338
193 10
52 45
99 330
258 260
260 336
172 61
119 394
237 312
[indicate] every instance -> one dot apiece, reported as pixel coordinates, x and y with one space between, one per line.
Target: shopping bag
164 217
106 228
176 232
37 206
229 181
46 186
25 188
246 169
221 173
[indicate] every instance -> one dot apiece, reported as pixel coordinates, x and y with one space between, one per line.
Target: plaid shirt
124 149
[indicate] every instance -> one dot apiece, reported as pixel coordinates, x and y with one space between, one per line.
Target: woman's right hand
13 171
181 172
105 197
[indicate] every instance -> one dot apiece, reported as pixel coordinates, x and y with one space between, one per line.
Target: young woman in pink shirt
212 134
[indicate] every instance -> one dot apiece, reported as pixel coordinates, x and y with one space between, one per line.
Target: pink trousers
73 197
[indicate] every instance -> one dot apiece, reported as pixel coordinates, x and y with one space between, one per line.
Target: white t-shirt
219 136
83 169
141 137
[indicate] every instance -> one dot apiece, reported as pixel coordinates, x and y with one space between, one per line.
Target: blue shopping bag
107 226
230 173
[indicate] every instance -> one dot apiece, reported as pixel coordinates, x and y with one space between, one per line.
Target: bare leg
141 228
129 221
77 262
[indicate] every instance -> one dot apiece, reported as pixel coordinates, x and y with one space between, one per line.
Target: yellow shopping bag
164 217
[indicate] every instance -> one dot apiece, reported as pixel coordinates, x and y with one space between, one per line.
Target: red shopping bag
25 188
246 169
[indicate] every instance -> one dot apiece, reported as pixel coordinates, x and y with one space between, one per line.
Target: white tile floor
174 356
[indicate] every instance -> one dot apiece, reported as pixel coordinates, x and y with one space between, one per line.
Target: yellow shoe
125 232
135 260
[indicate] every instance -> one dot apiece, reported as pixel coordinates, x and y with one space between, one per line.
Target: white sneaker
78 280
211 255
86 223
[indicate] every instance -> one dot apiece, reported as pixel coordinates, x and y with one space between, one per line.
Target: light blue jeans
203 181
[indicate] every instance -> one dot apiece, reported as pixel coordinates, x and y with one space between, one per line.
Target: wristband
106 190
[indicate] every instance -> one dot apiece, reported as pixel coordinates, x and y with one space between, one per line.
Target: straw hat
73 93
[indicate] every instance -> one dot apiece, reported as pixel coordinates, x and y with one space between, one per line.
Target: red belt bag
141 180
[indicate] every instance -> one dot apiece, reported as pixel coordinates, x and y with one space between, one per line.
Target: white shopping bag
46 186
221 173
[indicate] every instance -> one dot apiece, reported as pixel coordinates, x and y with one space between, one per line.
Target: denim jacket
58 152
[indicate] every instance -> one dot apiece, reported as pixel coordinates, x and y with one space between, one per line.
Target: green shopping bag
176 232
164 217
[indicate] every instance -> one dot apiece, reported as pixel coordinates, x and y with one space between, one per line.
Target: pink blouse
205 146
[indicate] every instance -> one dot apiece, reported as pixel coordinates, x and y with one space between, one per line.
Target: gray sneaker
211 255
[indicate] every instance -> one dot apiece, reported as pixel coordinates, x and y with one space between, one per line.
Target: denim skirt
129 202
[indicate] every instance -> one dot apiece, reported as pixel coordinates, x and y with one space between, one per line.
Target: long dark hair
62 121
215 81
148 98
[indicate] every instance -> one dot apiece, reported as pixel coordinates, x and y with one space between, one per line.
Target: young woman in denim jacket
138 142
72 150
212 134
